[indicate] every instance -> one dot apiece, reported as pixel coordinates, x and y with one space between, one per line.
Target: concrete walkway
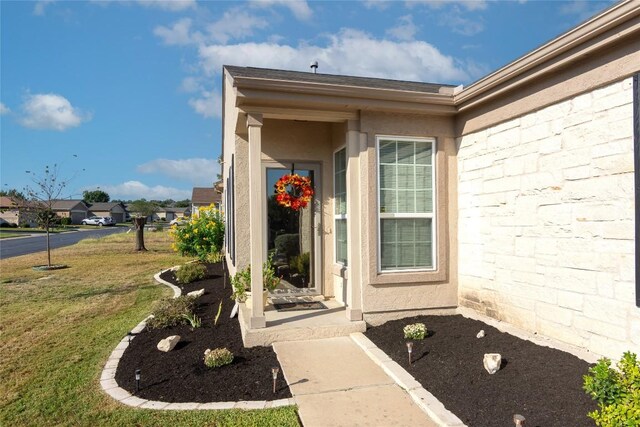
335 383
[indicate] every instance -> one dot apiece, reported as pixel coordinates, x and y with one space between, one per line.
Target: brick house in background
204 196
77 210
13 213
115 210
510 198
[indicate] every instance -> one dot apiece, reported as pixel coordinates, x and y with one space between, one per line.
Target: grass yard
58 328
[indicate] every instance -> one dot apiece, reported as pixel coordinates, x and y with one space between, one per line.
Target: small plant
170 312
415 331
193 320
215 320
617 391
191 272
217 357
241 281
216 257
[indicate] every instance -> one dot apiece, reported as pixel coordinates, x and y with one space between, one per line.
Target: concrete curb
425 400
111 387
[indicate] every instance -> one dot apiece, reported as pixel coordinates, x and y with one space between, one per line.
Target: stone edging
425 400
111 387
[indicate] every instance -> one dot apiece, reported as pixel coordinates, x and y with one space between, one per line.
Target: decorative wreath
293 191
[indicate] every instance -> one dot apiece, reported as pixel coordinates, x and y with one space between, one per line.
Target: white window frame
339 216
432 216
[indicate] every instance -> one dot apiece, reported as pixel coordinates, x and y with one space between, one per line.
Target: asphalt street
37 243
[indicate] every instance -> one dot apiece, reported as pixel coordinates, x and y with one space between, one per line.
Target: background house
511 198
77 210
204 196
169 214
13 212
115 210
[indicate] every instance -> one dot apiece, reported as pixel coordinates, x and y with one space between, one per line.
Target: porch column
254 125
354 242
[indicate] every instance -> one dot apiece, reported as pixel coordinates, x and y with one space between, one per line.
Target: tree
13 194
96 196
183 203
45 190
141 209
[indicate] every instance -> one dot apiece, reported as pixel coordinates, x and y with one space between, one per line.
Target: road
36 243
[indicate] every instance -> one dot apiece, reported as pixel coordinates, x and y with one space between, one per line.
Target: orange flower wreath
299 195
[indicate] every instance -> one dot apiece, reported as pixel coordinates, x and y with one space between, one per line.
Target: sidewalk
335 383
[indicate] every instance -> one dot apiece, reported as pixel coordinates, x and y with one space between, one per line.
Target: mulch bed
181 376
541 383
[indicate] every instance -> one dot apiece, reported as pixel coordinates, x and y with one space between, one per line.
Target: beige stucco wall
391 294
546 229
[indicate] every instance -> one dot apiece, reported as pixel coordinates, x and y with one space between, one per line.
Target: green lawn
58 328
4 235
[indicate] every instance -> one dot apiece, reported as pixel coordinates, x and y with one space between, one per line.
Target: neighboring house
204 196
115 210
14 213
512 197
169 214
77 210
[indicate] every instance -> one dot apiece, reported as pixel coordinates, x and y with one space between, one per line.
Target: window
340 204
406 217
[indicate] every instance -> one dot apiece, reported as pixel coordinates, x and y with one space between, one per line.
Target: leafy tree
95 196
202 236
183 203
45 190
141 210
13 194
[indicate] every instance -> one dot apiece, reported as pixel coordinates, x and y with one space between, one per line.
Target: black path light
410 350
129 335
138 375
274 375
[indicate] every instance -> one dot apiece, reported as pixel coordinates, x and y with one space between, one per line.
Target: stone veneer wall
546 221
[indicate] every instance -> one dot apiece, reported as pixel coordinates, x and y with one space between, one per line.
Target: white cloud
40 7
460 24
235 23
169 5
376 4
4 109
51 111
350 52
299 8
438 4
133 190
197 171
190 84
209 104
178 34
405 30
582 9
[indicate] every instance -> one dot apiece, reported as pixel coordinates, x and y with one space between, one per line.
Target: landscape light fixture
137 381
409 350
129 335
519 420
274 375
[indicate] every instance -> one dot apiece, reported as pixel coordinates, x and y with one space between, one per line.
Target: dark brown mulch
181 376
541 383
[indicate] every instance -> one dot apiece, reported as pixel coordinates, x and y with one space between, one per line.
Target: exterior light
138 375
519 420
274 375
129 335
410 350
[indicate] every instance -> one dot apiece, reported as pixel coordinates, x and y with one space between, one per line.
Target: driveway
11 247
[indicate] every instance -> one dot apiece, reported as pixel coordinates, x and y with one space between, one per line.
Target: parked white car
178 221
99 221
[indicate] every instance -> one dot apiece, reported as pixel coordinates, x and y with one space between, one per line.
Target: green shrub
25 225
288 245
191 272
617 391
171 312
201 236
217 357
65 221
241 281
5 225
300 264
193 320
415 331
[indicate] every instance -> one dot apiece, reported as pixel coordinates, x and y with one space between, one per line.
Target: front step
298 325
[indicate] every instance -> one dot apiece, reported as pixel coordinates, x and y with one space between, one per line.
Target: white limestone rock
492 362
196 294
168 343
480 334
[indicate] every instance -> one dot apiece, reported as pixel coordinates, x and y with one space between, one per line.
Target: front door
292 236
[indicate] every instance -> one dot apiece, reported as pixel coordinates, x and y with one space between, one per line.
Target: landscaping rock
492 362
480 334
196 293
168 343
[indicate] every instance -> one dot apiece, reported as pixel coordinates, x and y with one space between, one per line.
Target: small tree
96 196
141 209
13 194
42 195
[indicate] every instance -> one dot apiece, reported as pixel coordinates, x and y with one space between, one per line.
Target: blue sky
125 95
